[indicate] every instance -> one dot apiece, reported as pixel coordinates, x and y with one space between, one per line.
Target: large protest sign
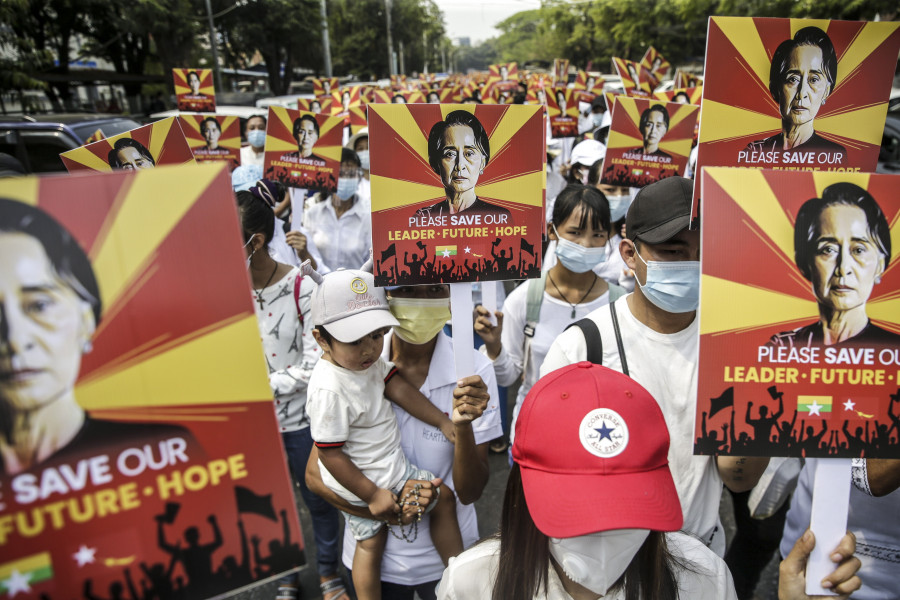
155 145
589 84
324 87
213 138
560 71
398 97
315 105
303 150
195 90
562 109
796 94
157 465
692 95
350 106
457 192
799 323
636 80
648 141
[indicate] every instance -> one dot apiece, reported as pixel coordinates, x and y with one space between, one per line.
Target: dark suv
38 140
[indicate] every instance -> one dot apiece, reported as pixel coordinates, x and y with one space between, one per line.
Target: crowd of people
619 288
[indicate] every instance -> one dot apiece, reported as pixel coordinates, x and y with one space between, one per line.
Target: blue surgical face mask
673 286
576 257
346 187
257 137
596 119
364 158
618 206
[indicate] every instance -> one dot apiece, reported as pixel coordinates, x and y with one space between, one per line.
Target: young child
354 427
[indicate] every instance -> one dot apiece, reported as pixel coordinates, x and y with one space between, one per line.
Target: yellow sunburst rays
209 365
233 141
159 133
677 114
729 306
23 189
389 194
620 139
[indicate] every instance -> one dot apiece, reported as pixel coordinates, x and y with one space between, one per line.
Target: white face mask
618 206
252 252
597 560
364 159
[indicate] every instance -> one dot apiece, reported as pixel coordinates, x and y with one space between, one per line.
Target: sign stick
463 332
830 508
489 298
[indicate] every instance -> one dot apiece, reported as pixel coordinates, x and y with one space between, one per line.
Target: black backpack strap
615 320
591 339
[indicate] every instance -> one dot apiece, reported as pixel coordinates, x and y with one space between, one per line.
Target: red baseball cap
592 447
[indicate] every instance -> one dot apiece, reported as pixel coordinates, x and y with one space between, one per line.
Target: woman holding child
423 355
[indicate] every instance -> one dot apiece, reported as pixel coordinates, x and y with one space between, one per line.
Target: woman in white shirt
340 223
566 292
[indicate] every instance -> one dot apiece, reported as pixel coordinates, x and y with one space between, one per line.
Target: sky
475 19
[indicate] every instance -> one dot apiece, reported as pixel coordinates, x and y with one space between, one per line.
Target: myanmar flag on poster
445 250
19 575
814 406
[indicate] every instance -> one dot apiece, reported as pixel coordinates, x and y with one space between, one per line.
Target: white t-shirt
349 407
556 315
343 242
427 448
472 574
290 350
874 521
249 157
666 366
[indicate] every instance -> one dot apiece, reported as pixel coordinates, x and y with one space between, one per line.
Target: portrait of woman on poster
194 83
459 151
128 154
842 246
49 310
801 78
211 132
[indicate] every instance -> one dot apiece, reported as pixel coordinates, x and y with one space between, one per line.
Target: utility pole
402 59
217 75
390 40
326 45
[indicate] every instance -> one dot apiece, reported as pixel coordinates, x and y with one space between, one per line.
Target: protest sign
457 192
398 97
195 90
648 141
502 78
155 145
656 64
164 465
692 95
589 84
213 138
315 105
303 150
683 79
562 108
796 94
561 71
324 87
800 342
349 105
635 78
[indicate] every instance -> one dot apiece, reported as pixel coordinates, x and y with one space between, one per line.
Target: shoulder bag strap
615 320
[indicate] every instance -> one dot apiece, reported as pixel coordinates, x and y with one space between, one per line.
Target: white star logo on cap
603 433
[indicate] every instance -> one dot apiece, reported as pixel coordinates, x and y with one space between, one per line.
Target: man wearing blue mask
653 335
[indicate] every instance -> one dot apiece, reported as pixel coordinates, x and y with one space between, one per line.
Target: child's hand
383 504
470 399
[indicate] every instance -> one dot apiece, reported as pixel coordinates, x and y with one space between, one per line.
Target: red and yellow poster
398 97
692 95
348 104
324 87
457 192
635 79
303 150
502 78
213 138
195 90
562 108
683 79
157 470
315 105
398 82
155 145
796 94
800 344
648 141
537 93
656 64
589 84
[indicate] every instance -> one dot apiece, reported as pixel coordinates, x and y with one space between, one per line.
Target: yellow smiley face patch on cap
359 286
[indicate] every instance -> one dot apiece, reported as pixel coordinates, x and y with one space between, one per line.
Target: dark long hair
525 556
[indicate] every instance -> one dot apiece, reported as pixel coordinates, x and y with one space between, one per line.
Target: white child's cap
349 306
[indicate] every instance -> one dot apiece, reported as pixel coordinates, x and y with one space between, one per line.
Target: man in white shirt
660 341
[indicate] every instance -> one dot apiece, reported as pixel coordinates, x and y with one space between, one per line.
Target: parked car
38 140
889 156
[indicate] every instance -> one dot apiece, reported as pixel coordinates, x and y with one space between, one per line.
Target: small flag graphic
814 405
445 251
19 575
